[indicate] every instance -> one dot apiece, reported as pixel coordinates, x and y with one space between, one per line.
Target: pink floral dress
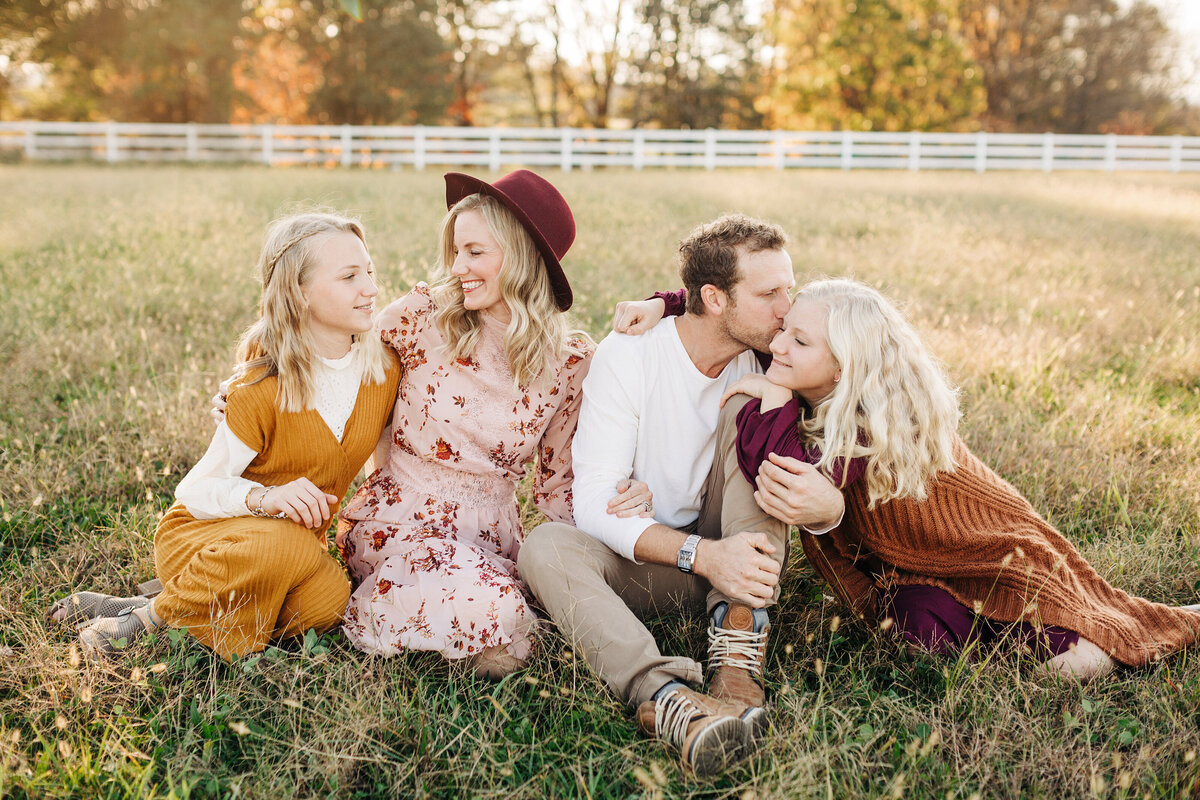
431 538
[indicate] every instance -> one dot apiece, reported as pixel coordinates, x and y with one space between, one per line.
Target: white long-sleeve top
649 414
215 488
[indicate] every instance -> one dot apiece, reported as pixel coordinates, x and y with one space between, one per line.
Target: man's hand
301 500
635 317
796 493
739 567
633 499
217 412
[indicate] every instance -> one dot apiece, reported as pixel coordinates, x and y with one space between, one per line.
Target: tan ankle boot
707 732
736 651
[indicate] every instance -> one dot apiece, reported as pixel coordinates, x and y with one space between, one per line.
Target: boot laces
673 712
732 648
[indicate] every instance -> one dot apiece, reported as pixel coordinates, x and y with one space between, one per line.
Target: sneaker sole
721 744
757 720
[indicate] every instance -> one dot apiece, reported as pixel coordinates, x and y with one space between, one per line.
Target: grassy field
1066 306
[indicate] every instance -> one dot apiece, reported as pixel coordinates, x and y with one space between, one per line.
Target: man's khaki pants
596 596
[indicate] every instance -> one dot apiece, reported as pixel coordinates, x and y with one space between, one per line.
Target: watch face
687 553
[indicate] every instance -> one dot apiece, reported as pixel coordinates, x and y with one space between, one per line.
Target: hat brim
459 186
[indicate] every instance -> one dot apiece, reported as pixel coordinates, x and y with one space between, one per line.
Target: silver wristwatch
687 553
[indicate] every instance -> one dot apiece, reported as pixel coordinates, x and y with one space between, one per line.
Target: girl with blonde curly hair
932 539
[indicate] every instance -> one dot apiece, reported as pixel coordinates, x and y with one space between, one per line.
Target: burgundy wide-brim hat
540 209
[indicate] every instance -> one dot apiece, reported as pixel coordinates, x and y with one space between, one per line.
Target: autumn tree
1078 66
1118 70
148 60
872 65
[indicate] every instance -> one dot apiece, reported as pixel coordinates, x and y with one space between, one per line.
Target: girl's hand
300 500
635 317
753 385
217 412
634 499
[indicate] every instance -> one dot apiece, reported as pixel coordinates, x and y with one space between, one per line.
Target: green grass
1066 306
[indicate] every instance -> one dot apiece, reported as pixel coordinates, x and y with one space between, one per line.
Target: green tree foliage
697 65
130 60
392 67
872 65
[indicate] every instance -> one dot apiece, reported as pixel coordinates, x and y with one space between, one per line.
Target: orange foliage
273 82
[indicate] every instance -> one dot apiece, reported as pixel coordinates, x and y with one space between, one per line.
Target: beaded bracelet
258 510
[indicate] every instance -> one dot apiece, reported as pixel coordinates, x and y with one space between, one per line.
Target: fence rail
581 148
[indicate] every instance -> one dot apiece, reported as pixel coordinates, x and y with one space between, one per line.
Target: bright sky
1183 16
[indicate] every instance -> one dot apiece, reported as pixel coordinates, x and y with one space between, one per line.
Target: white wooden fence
581 148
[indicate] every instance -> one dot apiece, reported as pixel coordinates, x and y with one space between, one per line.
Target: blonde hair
280 342
538 333
892 405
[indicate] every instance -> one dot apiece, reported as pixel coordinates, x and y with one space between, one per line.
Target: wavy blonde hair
280 342
538 334
892 405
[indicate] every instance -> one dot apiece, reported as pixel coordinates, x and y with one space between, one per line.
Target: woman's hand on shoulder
301 500
635 317
221 399
633 499
753 385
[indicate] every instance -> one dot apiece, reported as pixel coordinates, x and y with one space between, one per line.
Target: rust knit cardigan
976 537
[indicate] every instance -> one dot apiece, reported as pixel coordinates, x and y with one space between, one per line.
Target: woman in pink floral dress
491 380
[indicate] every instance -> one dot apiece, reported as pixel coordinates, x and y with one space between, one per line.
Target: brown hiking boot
707 732
737 647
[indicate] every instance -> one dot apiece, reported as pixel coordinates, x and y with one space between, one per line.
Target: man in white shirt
651 412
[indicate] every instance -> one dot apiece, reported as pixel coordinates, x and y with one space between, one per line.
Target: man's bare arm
738 566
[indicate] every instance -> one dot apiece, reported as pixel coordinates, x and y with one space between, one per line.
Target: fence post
1110 152
419 148
639 149
914 151
847 150
111 152
268 144
1048 152
981 151
1176 153
566 141
347 146
193 143
31 140
778 153
494 150
710 149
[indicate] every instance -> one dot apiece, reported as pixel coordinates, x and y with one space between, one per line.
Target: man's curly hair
709 255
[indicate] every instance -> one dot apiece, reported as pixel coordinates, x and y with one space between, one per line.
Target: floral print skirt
435 573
